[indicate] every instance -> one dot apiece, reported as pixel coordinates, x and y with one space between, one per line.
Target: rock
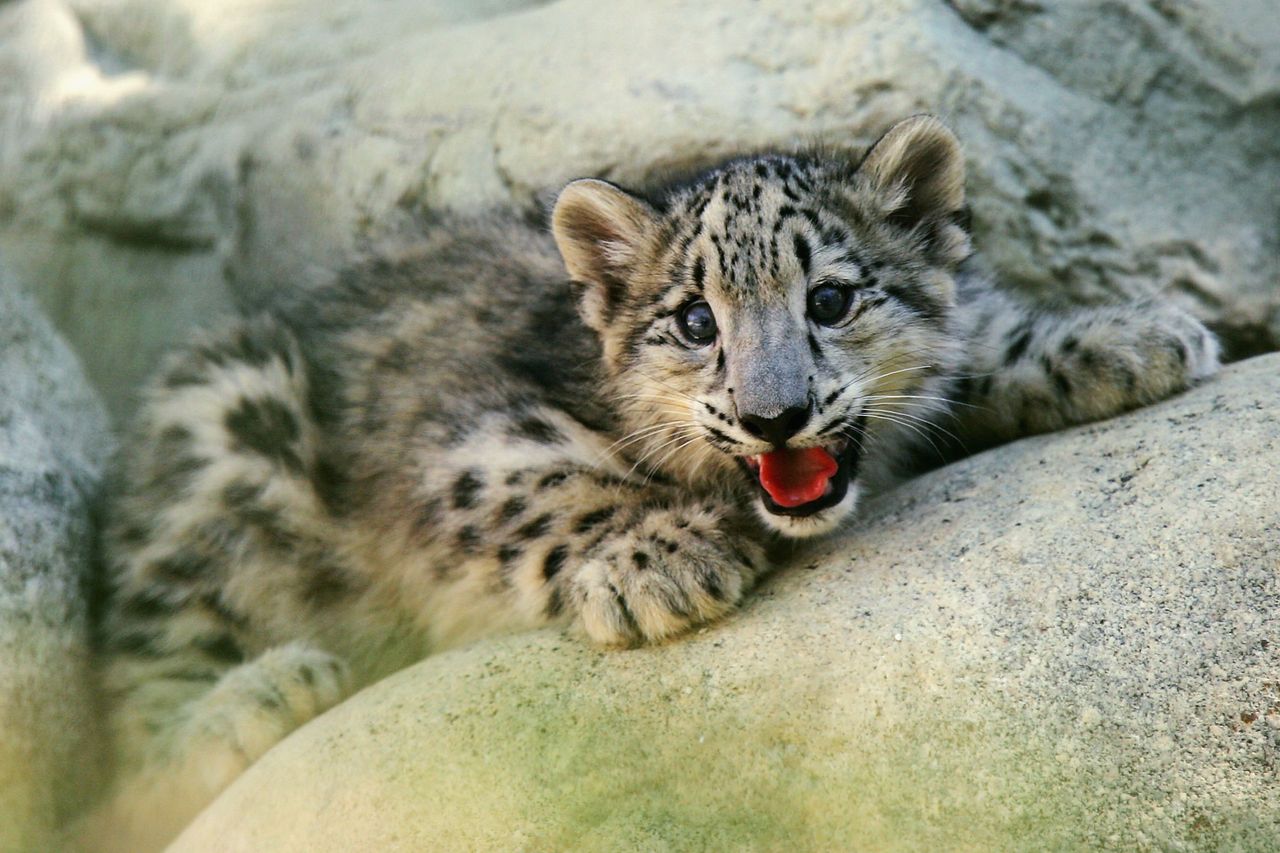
166 158
1068 643
54 439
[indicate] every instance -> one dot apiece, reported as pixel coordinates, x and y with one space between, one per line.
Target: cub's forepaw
673 571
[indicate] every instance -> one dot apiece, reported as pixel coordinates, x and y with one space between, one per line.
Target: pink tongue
795 477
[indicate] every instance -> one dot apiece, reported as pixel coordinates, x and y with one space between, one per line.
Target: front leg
576 537
654 571
1030 371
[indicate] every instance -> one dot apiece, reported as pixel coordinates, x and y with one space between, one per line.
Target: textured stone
1068 643
164 158
53 441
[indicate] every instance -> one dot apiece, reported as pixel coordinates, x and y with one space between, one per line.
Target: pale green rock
1067 644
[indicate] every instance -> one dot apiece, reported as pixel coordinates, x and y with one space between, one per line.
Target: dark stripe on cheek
815 348
916 300
721 437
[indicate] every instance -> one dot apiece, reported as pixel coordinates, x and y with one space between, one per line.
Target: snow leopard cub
454 441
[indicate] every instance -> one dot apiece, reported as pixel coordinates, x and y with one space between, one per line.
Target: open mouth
807 480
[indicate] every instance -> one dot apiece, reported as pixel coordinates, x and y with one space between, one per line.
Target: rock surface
1070 643
165 158
54 438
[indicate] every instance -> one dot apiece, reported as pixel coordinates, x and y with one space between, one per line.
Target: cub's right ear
600 230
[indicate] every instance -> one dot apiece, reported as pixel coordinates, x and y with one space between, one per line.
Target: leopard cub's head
763 325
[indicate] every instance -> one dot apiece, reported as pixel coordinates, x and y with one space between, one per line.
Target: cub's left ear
916 171
600 230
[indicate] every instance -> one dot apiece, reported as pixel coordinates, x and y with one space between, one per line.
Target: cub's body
452 440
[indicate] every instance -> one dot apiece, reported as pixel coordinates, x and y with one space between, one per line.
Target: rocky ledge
1068 643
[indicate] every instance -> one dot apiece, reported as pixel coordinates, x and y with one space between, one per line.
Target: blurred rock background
163 160
1075 643
54 441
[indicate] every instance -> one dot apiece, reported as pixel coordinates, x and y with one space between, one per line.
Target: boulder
1066 644
54 439
164 159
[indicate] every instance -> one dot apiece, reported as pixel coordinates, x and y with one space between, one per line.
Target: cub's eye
698 323
829 302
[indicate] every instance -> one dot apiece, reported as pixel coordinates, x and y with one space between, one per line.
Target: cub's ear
600 230
916 171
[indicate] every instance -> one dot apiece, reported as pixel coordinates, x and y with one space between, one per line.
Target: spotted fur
450 441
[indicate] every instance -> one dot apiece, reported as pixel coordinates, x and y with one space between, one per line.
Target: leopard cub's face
765 324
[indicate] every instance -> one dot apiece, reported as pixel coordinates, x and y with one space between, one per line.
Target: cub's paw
673 570
256 704
1179 351
1120 358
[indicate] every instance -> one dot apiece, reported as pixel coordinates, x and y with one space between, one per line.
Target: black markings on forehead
802 251
788 212
699 273
700 206
687 240
834 234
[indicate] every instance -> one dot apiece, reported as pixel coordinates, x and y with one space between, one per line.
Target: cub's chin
815 523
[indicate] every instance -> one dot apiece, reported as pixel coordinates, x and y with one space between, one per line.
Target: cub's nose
779 428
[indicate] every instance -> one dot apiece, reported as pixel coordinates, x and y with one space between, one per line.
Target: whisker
672 452
910 426
947 400
923 422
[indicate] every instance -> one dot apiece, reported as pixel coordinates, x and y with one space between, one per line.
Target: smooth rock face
54 439
164 158
1068 643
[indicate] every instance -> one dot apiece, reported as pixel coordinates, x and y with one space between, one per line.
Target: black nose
776 429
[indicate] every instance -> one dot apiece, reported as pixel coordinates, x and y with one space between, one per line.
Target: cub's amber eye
697 322
829 302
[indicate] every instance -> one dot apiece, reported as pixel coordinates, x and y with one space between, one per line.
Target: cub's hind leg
217 549
189 751
1030 371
